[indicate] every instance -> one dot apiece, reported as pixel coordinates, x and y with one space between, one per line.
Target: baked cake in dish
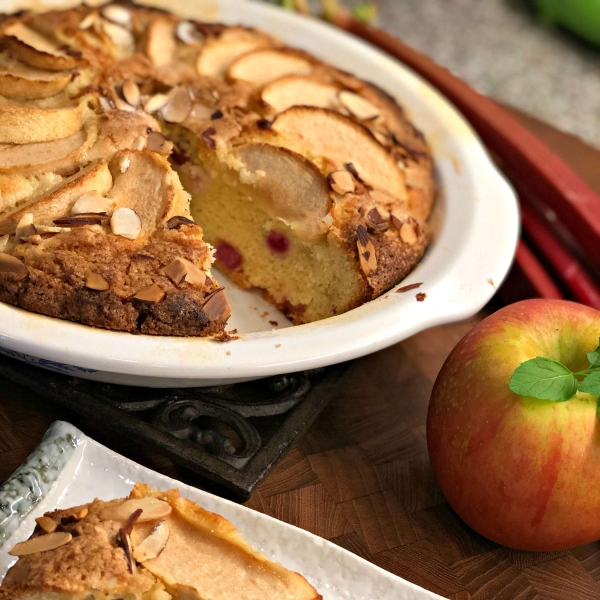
136 148
152 546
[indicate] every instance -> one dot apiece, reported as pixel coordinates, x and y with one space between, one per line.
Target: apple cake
151 546
137 148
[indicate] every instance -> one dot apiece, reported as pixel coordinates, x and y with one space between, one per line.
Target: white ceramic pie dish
68 469
475 219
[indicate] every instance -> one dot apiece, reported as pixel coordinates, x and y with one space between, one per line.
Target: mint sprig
549 379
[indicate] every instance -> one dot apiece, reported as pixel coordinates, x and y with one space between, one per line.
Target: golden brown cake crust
125 85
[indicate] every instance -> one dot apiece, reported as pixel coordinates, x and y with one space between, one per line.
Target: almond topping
4 242
341 182
95 281
154 544
123 162
358 106
396 222
178 221
178 107
138 144
216 306
125 538
119 35
152 294
25 226
366 251
181 270
188 33
47 524
126 223
156 103
117 14
157 142
201 112
92 203
131 92
80 220
153 510
42 229
409 232
11 265
42 543
375 223
87 21
106 103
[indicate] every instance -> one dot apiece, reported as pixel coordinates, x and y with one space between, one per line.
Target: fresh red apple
521 471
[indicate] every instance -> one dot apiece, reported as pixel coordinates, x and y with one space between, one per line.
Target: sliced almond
131 92
157 142
376 224
117 14
177 221
263 66
126 223
358 106
25 226
153 509
88 21
92 202
138 144
217 56
30 124
125 538
201 112
10 265
4 242
156 103
47 524
409 232
153 545
79 220
120 36
123 162
95 281
42 543
341 182
181 270
366 251
299 91
179 106
42 229
152 294
160 41
216 306
341 140
188 33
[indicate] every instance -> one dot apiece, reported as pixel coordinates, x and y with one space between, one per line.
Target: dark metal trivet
232 435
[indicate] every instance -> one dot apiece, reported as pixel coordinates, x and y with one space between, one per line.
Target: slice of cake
151 546
309 183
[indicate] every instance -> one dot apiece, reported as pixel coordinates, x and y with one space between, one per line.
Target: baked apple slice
149 187
263 66
30 124
33 49
336 138
59 155
217 56
289 187
294 90
20 82
58 203
160 41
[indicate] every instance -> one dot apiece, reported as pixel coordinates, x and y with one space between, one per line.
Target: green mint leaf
591 384
594 358
545 379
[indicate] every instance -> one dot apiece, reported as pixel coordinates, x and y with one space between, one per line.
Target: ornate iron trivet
232 435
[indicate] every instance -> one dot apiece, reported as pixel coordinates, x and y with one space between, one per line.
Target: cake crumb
274 323
228 353
277 345
491 282
407 288
420 297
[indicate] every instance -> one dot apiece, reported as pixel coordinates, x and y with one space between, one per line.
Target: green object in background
582 17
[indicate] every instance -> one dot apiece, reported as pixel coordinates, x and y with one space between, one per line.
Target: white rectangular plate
68 468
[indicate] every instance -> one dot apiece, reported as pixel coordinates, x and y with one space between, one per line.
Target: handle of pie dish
532 167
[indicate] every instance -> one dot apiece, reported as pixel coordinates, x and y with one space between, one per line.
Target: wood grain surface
361 477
